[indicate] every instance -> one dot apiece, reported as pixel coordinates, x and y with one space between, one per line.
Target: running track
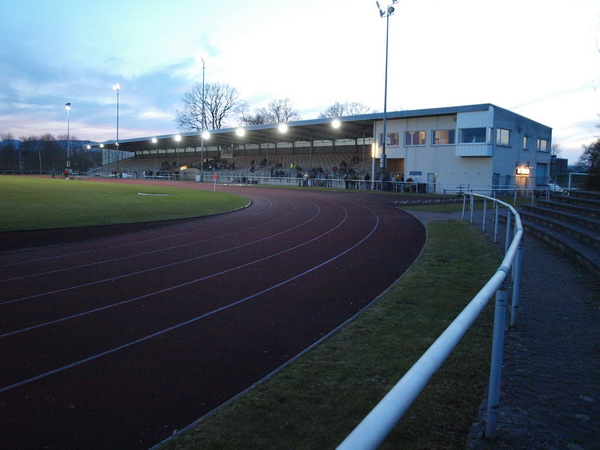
118 341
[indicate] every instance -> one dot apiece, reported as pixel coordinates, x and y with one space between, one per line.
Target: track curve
118 341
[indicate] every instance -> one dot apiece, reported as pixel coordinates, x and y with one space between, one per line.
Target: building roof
351 127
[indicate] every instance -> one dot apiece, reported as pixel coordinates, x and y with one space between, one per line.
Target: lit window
443 137
468 135
502 136
414 138
525 142
542 145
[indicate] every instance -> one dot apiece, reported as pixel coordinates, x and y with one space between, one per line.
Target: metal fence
375 427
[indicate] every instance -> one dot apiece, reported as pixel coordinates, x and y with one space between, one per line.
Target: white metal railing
375 427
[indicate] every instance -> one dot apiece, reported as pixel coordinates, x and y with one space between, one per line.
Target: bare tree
345 109
221 106
556 150
280 111
277 111
7 151
258 118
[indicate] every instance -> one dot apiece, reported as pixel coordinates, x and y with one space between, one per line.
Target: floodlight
206 135
336 123
240 132
283 127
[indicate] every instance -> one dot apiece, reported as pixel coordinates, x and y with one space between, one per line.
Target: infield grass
317 400
33 203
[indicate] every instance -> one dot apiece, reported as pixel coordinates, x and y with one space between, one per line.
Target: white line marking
195 319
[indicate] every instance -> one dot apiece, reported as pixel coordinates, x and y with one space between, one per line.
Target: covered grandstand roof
350 127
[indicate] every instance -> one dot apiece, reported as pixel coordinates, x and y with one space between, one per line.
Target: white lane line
207 277
122 258
195 319
143 241
164 266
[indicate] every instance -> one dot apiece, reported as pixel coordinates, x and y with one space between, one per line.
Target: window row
465 136
438 137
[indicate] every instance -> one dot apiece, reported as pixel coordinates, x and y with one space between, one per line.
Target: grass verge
317 400
41 203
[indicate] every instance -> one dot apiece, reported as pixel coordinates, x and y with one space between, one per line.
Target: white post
496 364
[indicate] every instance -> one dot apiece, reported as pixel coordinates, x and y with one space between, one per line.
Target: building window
502 136
542 145
468 135
414 138
525 142
443 137
393 139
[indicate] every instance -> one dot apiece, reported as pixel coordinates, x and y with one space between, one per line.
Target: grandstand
171 165
483 146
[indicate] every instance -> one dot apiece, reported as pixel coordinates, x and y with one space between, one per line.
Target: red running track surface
118 341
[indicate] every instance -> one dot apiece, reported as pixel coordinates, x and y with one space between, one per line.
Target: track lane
259 334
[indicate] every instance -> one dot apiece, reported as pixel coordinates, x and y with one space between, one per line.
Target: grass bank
317 400
31 203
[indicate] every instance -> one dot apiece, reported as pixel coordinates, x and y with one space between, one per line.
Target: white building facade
474 146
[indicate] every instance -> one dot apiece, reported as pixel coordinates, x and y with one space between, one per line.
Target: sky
537 58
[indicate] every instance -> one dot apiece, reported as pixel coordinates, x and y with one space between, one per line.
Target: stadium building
476 146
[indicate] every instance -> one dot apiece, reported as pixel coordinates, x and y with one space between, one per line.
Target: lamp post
68 108
387 13
155 142
177 139
202 128
117 88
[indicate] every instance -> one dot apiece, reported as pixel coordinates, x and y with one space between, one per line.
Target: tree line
45 153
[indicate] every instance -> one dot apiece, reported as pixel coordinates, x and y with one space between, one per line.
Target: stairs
571 223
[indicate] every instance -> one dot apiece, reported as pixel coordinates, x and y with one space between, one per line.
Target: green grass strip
30 203
317 400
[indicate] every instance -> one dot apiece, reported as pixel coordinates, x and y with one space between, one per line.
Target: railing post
516 285
496 221
508 228
484 214
472 203
496 364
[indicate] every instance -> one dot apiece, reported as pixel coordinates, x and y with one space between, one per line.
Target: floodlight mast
68 108
387 13
117 89
203 131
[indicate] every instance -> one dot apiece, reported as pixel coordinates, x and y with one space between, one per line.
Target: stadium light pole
202 127
387 13
68 108
117 88
155 142
177 139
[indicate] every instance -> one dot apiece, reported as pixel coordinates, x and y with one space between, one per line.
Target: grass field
31 203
